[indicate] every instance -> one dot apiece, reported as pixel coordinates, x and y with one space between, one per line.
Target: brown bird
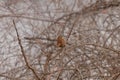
60 41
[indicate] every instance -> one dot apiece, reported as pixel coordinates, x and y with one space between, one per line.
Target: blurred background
28 39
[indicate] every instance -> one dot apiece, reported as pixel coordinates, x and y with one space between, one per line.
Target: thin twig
23 53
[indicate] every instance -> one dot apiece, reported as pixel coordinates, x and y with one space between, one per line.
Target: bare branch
23 53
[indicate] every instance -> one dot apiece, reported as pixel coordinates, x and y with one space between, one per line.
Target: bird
60 41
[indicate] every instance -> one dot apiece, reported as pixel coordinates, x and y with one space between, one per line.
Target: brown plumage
60 41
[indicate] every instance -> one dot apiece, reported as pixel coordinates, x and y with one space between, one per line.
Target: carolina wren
60 41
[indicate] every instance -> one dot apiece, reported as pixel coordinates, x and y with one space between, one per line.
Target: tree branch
23 53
